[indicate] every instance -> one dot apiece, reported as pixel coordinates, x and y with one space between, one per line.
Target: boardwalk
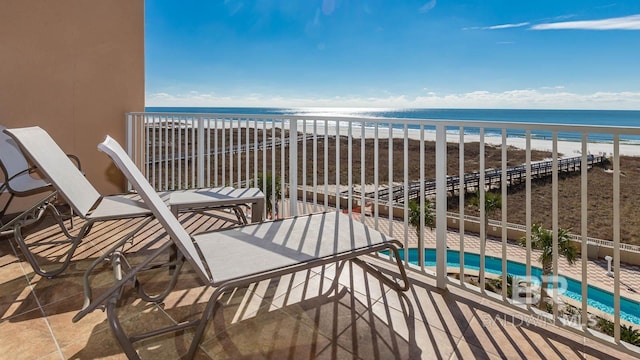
238 149
492 178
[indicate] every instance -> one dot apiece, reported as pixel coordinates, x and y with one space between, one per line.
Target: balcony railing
371 167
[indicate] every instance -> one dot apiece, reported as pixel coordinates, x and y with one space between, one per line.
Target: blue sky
551 54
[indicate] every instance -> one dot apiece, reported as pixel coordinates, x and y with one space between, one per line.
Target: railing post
441 206
129 141
293 167
200 155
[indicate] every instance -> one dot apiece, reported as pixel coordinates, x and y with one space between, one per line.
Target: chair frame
82 197
14 166
190 251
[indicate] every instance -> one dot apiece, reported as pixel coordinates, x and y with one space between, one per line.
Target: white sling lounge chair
83 198
18 181
243 255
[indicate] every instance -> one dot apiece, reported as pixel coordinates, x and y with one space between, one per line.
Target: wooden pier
492 179
236 149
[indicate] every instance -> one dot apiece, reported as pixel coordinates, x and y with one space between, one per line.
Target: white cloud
534 99
631 22
564 17
428 6
497 27
556 98
505 26
557 87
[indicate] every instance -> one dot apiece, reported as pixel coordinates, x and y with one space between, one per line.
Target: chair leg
242 219
209 310
125 343
60 219
172 283
73 240
28 217
4 227
6 205
105 256
383 278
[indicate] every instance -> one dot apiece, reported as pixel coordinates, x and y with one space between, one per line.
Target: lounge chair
82 197
19 182
240 256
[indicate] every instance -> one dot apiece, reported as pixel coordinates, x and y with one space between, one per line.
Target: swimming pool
596 297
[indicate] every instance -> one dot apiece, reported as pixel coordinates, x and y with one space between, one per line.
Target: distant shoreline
565 147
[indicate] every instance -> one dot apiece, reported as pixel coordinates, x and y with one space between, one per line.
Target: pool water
596 297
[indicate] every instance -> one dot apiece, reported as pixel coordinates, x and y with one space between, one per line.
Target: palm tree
414 220
627 333
492 202
542 239
630 335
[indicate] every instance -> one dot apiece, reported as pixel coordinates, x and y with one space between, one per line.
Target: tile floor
295 317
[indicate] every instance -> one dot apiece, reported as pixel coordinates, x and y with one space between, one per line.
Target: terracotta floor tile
596 350
515 335
66 332
465 350
16 296
26 336
98 342
425 341
273 335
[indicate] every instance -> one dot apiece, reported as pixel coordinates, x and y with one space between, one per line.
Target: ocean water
616 118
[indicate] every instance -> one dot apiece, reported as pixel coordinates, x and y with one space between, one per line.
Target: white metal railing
321 162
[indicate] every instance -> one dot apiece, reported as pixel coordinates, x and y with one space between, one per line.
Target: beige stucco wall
73 67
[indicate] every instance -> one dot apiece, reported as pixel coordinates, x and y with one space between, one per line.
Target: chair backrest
159 209
11 158
54 164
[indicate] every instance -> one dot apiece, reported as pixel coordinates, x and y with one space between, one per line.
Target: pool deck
596 269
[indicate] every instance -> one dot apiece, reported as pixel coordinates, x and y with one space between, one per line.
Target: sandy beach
566 148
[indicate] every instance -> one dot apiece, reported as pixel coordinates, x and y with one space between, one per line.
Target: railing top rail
626 130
